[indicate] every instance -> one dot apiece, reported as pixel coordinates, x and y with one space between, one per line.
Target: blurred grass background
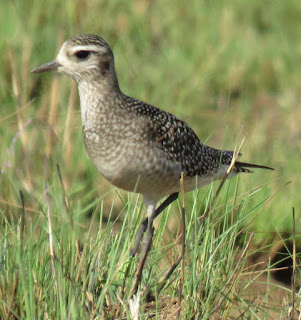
216 65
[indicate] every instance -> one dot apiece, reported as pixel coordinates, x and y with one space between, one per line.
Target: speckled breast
129 161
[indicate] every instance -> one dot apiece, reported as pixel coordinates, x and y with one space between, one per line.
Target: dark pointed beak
49 66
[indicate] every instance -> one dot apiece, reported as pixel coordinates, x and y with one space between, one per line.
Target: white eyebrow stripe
88 48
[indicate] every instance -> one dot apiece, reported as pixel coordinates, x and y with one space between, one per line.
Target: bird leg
147 228
171 198
145 249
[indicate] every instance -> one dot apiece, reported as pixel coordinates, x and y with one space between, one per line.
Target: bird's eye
82 54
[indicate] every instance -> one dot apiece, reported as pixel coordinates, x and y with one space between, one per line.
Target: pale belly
142 169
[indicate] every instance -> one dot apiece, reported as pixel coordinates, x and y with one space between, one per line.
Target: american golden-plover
135 146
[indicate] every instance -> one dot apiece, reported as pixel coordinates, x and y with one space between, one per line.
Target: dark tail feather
242 166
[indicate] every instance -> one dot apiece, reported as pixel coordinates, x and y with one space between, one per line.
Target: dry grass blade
293 311
52 115
168 274
67 140
20 121
51 246
22 218
65 200
183 245
268 270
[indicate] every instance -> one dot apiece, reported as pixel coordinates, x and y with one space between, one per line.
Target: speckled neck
96 99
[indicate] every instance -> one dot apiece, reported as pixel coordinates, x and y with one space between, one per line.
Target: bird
137 147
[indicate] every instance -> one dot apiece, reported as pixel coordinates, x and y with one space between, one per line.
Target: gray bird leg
171 198
146 244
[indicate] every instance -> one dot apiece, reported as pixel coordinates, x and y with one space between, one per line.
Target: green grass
213 64
52 267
